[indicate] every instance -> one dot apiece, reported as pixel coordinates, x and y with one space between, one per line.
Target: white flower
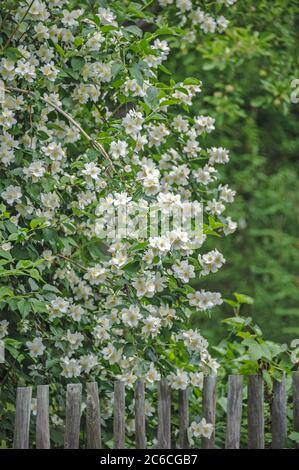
36 347
222 23
50 200
75 339
180 380
96 274
151 326
54 151
196 379
204 124
194 340
70 367
157 135
184 271
6 246
132 86
7 119
3 328
12 194
180 124
69 18
35 170
161 244
211 262
94 42
107 16
218 155
76 312
201 429
204 300
102 71
88 362
49 71
152 375
230 226
131 316
208 24
91 170
58 307
132 123
226 193
215 207
184 5
118 149
111 354
47 255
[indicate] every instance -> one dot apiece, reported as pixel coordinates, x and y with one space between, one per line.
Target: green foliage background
247 75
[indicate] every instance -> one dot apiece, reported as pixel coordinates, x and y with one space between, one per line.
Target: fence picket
93 418
119 415
42 418
209 408
22 418
73 416
140 434
296 401
184 419
279 415
164 413
255 424
255 412
234 412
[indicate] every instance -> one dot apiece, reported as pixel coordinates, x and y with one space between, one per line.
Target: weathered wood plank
119 415
140 433
255 412
234 412
73 416
209 408
296 401
279 414
22 418
42 418
164 415
93 417
184 419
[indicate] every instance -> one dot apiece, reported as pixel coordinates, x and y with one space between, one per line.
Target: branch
70 260
94 143
18 25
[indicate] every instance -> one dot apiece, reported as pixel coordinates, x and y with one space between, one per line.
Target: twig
66 258
94 143
18 25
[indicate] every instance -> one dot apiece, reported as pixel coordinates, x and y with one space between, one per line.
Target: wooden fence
255 415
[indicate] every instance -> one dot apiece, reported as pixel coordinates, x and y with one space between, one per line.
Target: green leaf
6 255
134 30
77 63
243 299
132 267
24 307
151 97
12 53
59 49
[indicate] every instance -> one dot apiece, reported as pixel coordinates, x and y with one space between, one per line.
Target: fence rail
255 414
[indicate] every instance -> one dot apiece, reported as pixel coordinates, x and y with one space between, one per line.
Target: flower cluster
91 132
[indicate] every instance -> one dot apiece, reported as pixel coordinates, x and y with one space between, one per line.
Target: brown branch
18 25
66 258
94 143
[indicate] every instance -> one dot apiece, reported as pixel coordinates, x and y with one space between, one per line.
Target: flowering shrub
92 124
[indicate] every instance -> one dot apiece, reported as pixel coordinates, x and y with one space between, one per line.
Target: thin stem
18 25
66 258
94 143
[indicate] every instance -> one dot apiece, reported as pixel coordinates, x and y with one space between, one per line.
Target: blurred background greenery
247 74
